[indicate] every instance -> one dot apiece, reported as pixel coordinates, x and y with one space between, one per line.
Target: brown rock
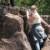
12 36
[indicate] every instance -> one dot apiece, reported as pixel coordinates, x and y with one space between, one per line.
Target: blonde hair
34 7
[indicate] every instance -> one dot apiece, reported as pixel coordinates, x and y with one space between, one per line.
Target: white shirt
35 15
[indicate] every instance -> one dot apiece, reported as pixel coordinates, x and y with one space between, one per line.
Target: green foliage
24 2
43 5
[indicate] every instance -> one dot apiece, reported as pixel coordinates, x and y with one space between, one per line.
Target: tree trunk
8 2
12 2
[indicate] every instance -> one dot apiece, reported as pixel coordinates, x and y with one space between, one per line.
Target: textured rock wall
12 37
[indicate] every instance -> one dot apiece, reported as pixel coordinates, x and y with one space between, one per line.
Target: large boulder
12 37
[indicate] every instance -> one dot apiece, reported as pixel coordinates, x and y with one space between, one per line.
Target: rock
16 42
12 37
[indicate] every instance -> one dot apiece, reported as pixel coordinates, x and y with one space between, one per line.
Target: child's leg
37 44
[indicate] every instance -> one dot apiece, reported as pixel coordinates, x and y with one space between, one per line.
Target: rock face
8 26
11 35
16 42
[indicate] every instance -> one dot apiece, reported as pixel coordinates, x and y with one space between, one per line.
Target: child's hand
49 26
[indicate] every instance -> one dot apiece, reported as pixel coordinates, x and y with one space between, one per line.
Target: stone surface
12 37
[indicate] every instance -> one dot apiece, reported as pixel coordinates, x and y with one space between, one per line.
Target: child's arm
45 23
